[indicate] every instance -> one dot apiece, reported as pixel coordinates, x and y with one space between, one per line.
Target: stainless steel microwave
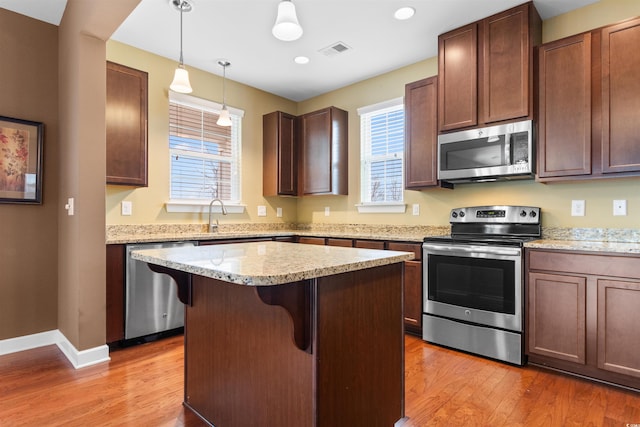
501 152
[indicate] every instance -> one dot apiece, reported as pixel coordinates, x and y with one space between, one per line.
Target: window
205 157
382 153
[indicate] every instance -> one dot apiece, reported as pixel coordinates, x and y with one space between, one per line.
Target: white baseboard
79 359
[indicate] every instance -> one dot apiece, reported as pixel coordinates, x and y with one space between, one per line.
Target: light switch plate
262 211
126 207
577 208
619 207
279 212
416 209
327 211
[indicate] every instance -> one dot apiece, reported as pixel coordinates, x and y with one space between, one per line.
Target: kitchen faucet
214 227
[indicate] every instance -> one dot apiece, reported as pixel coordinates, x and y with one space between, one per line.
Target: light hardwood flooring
143 386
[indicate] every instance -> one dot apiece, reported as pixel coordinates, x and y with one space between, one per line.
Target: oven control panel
496 214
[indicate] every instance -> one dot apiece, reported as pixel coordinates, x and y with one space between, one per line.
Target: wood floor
142 386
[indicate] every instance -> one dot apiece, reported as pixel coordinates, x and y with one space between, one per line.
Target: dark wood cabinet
324 166
506 44
369 244
580 311
621 97
588 99
421 134
458 73
564 119
486 69
126 125
280 155
115 293
412 286
557 316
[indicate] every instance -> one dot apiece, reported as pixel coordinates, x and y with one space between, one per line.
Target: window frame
233 205
366 205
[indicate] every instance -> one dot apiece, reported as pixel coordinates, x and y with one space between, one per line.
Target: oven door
479 284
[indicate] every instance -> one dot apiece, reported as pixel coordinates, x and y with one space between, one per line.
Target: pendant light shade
180 81
224 119
287 27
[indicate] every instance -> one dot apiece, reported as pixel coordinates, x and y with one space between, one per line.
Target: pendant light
287 27
224 119
180 81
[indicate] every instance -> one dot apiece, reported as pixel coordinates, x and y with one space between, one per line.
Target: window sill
381 208
196 206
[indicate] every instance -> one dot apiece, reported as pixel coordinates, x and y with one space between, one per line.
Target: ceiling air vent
335 48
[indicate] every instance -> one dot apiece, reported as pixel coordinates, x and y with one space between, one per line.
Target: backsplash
623 235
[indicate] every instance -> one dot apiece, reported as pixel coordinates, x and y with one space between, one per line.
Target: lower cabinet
581 310
412 286
115 293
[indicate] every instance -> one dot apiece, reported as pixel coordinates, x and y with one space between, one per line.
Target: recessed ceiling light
301 60
404 13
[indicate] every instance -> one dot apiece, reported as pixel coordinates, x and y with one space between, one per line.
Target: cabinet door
126 125
413 296
421 133
506 69
324 142
280 157
458 75
621 97
557 316
564 137
115 293
618 332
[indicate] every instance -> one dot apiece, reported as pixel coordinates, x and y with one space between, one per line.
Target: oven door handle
466 250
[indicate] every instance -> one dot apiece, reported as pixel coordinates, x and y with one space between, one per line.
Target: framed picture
20 161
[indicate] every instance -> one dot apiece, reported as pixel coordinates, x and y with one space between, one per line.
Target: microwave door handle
507 149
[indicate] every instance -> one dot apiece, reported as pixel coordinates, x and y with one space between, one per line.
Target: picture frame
20 161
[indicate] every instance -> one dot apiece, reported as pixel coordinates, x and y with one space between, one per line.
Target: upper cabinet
305 155
486 70
280 155
564 120
421 133
126 125
589 97
324 140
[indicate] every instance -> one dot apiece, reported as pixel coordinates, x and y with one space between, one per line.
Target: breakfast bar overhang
285 334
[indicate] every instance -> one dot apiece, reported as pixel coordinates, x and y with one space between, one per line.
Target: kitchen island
284 334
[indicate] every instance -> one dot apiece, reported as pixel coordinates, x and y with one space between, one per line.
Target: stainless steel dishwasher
152 307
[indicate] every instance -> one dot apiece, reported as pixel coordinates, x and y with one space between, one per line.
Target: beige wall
555 199
28 233
148 203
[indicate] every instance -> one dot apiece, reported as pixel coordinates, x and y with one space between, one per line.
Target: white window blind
382 152
205 157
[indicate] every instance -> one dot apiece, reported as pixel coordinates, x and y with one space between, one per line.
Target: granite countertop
268 263
586 245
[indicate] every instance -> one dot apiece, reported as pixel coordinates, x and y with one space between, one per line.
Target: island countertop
268 263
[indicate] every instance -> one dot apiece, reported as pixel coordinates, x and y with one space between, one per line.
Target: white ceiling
240 32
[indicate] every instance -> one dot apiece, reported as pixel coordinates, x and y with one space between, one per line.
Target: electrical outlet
577 208
279 212
620 207
416 209
327 211
262 211
126 207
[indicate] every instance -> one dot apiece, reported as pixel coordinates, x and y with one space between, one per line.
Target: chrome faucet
214 227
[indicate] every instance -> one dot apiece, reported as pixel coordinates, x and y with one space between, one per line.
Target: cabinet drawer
311 240
369 244
600 265
416 248
339 242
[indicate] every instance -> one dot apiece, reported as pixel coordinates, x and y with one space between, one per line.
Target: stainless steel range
474 281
